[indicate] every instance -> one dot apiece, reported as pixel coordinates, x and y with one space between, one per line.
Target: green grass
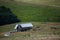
31 13
27 12
41 13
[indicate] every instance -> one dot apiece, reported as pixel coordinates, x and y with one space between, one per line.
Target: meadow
40 13
30 12
40 31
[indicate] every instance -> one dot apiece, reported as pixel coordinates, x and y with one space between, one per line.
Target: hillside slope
30 12
41 2
40 31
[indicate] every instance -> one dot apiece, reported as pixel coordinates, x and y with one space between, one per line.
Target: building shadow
7 16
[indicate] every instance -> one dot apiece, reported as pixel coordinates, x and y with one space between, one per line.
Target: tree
6 16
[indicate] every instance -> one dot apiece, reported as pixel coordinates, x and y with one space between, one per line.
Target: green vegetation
6 16
35 14
41 13
28 12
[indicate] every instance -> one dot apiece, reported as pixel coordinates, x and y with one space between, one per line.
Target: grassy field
40 31
30 12
41 2
38 15
33 13
45 26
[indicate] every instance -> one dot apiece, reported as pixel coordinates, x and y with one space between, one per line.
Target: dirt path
54 5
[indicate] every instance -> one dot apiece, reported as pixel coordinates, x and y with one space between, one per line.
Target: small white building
23 27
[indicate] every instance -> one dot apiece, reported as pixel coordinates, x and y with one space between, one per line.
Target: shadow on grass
7 17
